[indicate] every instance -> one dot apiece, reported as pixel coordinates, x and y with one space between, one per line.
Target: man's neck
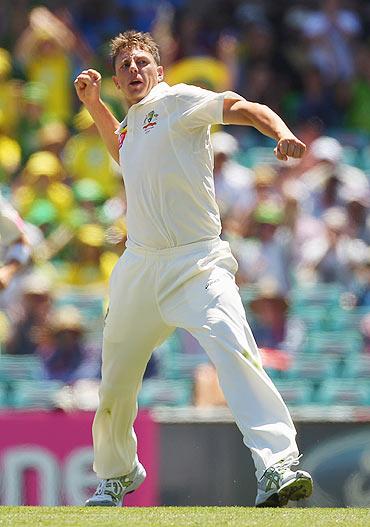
128 104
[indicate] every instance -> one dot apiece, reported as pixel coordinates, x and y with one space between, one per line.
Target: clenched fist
290 147
87 86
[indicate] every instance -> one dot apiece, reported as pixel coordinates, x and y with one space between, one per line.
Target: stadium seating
353 392
3 395
357 367
316 294
23 367
90 303
312 317
328 368
313 367
29 394
161 392
297 392
337 343
364 160
174 363
257 155
351 156
22 384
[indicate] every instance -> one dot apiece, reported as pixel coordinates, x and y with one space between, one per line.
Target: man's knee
109 396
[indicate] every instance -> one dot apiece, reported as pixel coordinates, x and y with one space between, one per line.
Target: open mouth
135 83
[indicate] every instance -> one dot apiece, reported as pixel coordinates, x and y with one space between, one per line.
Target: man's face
136 74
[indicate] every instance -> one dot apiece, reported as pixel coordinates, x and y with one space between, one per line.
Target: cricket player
176 272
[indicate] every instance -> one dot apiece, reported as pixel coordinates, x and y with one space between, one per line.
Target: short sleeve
200 107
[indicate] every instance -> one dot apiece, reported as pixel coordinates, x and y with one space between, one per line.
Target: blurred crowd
289 224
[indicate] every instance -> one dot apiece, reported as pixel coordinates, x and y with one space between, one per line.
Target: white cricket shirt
167 166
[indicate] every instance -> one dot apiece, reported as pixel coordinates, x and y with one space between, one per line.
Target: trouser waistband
189 248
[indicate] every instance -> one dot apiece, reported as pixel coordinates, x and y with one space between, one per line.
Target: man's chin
138 92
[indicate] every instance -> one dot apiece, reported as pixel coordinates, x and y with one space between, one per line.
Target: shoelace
283 465
112 487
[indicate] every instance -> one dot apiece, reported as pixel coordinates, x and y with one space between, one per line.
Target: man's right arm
87 86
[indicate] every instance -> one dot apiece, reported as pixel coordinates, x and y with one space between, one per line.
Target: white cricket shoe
110 492
279 484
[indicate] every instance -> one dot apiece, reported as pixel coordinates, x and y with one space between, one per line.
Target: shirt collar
154 93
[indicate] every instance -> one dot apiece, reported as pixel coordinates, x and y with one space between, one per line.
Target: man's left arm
266 121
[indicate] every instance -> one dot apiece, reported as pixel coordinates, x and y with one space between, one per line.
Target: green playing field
180 517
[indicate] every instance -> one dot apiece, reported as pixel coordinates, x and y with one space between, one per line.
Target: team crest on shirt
122 132
150 121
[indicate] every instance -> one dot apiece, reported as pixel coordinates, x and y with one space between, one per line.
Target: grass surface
180 517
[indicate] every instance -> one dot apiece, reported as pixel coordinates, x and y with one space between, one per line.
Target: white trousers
191 287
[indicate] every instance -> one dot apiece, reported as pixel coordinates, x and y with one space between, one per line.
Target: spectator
41 194
10 93
52 137
330 33
98 20
10 157
232 181
300 227
357 203
44 49
88 262
361 286
359 92
89 197
262 65
204 71
269 308
207 390
263 190
66 358
85 156
28 323
258 86
15 248
266 252
332 255
294 223
327 176
316 99
365 331
31 118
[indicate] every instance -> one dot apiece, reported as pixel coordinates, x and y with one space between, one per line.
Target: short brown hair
134 40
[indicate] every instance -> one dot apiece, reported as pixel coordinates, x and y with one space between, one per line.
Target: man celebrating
176 272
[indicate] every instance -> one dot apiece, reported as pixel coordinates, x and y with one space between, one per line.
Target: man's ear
160 73
115 80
